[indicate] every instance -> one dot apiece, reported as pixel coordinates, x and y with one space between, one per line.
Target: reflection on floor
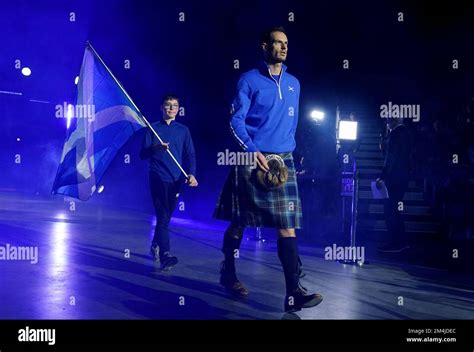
93 263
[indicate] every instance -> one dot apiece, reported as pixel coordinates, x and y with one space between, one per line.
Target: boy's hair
169 97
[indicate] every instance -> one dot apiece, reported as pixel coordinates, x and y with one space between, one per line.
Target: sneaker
155 253
300 299
393 248
168 262
232 284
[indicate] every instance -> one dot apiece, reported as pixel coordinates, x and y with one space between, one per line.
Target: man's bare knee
286 233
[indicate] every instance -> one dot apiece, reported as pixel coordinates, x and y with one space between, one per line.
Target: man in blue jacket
264 116
165 176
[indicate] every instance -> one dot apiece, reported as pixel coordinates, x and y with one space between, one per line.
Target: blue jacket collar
263 68
163 122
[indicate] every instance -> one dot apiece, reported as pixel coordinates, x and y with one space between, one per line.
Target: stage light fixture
347 130
317 116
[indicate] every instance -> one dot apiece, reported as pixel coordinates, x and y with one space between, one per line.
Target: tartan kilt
245 203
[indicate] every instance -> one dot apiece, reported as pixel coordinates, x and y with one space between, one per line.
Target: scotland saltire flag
104 118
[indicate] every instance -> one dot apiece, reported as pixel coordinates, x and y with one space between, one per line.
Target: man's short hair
267 35
169 97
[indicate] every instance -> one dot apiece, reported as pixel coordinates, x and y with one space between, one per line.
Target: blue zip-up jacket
180 144
264 112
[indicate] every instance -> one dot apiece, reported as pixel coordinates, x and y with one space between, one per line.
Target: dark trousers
165 197
392 214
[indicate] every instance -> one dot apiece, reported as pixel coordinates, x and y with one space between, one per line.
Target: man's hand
262 162
378 183
161 147
191 181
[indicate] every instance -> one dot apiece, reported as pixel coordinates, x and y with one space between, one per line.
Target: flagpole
88 43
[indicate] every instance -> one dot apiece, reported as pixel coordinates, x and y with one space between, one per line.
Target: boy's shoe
167 262
155 253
